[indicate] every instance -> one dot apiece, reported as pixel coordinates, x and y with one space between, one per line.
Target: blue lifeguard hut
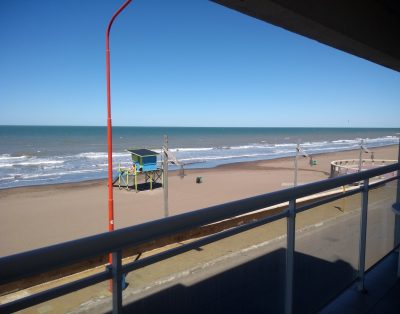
144 162
144 159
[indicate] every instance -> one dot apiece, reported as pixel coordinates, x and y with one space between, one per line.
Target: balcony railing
15 267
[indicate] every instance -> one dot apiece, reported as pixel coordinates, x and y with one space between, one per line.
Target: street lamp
362 149
168 157
109 126
300 151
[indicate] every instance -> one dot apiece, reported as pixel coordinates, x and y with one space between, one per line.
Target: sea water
33 155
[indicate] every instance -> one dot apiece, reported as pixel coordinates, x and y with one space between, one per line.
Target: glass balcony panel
381 222
326 254
242 273
96 297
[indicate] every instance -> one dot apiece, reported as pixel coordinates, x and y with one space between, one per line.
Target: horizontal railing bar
328 199
16 266
324 185
382 182
201 242
52 293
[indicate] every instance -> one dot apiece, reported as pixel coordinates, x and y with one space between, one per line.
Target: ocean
34 155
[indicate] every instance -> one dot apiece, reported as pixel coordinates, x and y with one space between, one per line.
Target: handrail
15 266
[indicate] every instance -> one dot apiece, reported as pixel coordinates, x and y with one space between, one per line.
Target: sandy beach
33 217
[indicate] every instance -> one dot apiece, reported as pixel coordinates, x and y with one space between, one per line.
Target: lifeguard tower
144 161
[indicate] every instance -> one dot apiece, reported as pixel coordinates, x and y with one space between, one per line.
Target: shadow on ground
256 286
141 186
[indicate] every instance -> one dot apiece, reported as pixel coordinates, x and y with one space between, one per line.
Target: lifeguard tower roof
142 152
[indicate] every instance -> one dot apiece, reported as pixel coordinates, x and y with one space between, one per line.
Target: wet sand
33 217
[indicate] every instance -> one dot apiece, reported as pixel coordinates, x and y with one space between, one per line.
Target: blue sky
179 63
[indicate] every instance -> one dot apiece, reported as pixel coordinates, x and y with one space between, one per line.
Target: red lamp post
109 126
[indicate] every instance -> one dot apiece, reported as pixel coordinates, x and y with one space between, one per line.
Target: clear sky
179 63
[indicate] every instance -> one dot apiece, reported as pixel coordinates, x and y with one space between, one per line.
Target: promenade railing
18 266
347 166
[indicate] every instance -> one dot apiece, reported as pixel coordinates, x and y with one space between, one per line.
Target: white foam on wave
344 141
285 149
6 165
79 171
56 174
331 149
39 162
10 178
100 155
206 158
285 145
92 155
387 139
7 162
280 151
36 180
190 149
8 157
35 176
57 166
314 144
253 146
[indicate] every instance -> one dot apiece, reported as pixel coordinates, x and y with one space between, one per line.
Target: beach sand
33 217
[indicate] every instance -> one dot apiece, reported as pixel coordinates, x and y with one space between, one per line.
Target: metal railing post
397 216
291 231
117 282
165 175
397 221
296 165
363 237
